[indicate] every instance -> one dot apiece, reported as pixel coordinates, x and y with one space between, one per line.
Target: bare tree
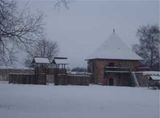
42 48
149 45
59 3
17 29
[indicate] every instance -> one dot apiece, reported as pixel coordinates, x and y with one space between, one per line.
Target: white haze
88 23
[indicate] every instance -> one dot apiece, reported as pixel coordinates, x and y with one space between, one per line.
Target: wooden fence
72 79
21 78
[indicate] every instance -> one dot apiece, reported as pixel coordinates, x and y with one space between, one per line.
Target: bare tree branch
17 28
42 48
149 45
62 3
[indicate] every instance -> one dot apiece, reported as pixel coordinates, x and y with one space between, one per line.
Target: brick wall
97 66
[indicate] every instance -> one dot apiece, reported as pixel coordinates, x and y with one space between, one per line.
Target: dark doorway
111 64
111 82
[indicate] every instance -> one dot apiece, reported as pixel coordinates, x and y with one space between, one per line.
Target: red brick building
113 63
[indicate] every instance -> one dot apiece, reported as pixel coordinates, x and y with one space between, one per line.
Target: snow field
38 101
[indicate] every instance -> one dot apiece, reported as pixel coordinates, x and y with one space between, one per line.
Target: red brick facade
97 66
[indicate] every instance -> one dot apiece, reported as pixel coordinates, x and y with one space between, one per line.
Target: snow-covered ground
38 101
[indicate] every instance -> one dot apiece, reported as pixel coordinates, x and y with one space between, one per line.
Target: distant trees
59 3
149 45
42 48
17 29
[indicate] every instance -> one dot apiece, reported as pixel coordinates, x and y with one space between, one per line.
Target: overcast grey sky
88 23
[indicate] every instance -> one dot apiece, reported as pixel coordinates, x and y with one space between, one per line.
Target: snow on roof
157 73
41 60
153 77
61 61
114 48
15 67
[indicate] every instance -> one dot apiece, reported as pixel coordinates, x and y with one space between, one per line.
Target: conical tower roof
114 48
